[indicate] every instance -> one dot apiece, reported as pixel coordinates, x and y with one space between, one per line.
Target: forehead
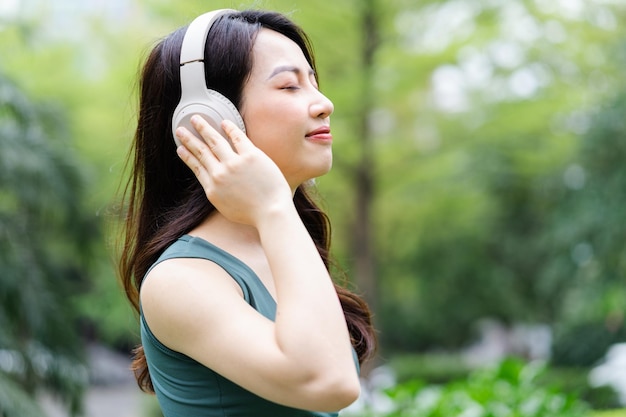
272 49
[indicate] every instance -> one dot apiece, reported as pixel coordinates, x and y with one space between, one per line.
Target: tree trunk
362 233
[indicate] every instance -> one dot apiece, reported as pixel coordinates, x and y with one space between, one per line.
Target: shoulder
178 273
175 290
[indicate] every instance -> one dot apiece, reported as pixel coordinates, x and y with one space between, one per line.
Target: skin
304 358
282 88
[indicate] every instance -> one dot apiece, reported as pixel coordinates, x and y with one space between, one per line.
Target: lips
321 134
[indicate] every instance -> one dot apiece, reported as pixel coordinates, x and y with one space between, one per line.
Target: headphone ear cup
214 109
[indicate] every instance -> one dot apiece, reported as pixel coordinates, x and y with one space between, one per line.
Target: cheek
270 122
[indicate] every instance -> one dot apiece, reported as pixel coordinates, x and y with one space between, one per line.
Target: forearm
310 325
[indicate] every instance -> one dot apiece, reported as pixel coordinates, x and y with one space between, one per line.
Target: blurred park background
477 198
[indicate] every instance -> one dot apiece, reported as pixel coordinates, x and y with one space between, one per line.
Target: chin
323 170
328 164
311 179
312 171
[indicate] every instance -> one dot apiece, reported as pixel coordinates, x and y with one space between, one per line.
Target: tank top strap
254 292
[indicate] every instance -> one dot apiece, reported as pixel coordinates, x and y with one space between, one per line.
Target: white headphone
196 98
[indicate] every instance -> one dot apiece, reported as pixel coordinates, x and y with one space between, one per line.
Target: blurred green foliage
611 413
433 368
499 138
507 390
485 210
445 368
45 251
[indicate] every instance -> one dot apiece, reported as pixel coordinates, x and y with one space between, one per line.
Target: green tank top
186 388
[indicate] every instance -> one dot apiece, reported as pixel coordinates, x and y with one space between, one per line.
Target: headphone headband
195 37
195 97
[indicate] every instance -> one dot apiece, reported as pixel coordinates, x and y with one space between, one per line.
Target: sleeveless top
185 387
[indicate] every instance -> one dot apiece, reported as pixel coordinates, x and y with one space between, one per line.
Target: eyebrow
288 68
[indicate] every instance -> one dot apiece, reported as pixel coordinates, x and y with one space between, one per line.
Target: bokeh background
477 198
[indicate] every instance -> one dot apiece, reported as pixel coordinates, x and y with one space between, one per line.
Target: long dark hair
163 199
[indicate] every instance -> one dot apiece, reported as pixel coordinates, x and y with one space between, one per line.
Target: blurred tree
480 107
45 238
472 113
588 232
362 174
95 49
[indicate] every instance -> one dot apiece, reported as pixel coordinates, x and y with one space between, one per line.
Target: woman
239 316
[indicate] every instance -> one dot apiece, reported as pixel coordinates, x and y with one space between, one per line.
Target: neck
218 229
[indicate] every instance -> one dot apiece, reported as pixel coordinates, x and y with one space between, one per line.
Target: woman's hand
241 181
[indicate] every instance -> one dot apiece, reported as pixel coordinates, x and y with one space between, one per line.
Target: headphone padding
213 108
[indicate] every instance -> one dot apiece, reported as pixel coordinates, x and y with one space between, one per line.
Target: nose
321 107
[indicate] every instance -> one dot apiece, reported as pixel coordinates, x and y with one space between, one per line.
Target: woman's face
286 116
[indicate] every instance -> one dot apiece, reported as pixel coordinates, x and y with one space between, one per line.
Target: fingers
204 156
240 141
218 145
195 155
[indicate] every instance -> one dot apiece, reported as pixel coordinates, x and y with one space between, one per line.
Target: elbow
325 392
348 393
339 393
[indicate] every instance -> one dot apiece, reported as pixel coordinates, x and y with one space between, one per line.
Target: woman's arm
304 358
